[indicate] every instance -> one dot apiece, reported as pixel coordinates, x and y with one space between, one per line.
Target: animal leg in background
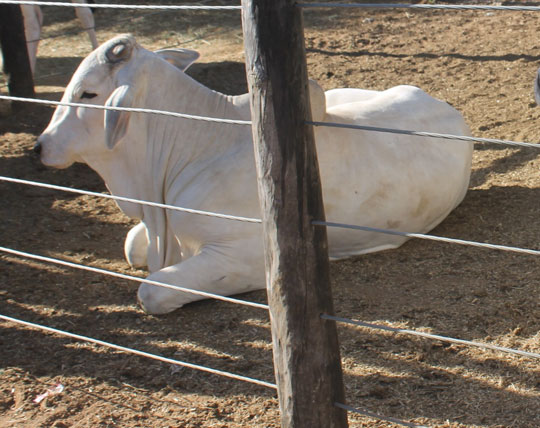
33 20
87 20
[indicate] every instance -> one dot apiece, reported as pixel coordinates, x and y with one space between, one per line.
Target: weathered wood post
306 353
15 54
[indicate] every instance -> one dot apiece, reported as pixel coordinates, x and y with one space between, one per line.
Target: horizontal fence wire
432 336
248 122
429 237
253 220
120 6
376 416
131 200
134 110
137 352
420 6
425 134
132 278
302 5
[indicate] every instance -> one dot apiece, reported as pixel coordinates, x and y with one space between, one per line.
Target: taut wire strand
419 6
432 336
120 6
253 220
124 199
376 416
132 278
137 352
429 237
133 110
425 134
248 122
302 5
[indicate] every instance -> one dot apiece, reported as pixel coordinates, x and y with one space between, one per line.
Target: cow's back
391 181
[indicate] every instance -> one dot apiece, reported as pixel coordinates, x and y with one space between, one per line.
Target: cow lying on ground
372 179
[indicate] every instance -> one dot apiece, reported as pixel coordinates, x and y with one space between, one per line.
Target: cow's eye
88 95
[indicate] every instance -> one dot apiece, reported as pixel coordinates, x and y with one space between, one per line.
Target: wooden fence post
15 54
306 352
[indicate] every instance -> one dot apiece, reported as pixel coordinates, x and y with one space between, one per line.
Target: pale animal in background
382 180
33 21
537 87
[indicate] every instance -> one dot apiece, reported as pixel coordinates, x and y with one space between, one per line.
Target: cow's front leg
209 271
136 246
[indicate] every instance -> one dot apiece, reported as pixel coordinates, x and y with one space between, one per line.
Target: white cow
373 179
33 21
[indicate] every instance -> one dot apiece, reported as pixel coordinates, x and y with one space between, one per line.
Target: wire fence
121 6
135 201
257 305
315 5
127 109
432 336
426 134
232 300
227 299
376 416
138 352
459 7
204 294
248 122
258 221
251 220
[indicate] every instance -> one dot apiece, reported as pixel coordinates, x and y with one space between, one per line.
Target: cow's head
114 75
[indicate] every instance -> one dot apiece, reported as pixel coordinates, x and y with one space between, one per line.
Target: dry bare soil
483 63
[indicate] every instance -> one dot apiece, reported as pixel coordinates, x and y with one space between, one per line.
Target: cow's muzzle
37 148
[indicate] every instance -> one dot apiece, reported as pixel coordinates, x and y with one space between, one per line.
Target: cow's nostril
37 148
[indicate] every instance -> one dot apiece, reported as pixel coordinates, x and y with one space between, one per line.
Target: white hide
33 21
136 246
372 179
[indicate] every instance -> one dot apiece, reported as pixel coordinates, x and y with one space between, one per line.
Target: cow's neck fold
160 154
177 146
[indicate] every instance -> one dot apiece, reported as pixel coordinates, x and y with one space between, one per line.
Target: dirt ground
483 63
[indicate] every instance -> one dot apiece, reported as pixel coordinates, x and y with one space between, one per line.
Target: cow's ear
116 122
180 58
120 51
